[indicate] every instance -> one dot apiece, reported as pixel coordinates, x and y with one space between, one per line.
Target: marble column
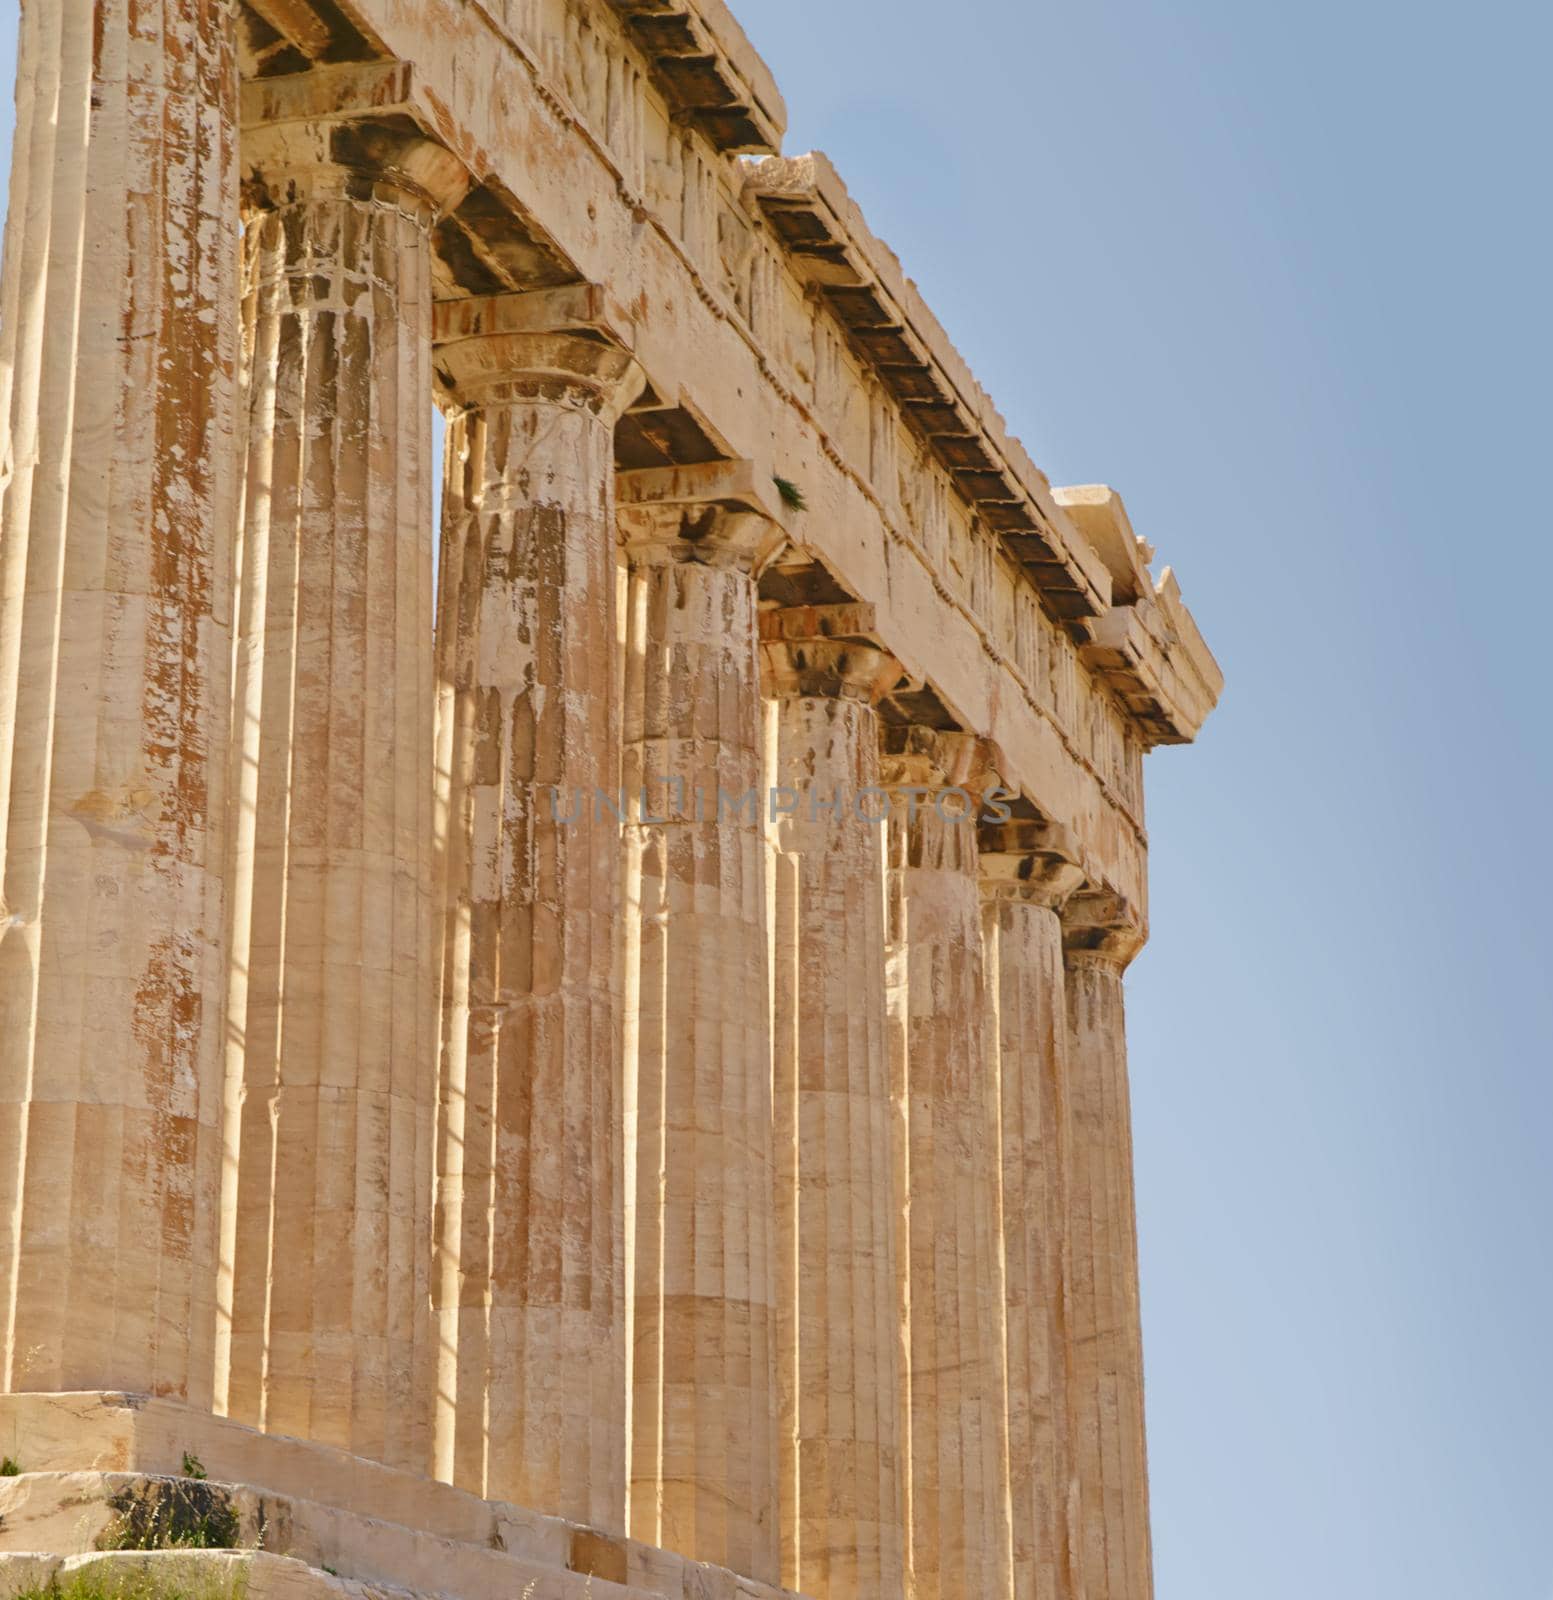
837 1262
1028 870
527 1288
952 1293
1101 935
698 1045
333 1023
118 477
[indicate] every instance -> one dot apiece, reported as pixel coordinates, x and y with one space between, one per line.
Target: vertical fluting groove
958 1503
117 509
1028 1037
1106 1343
530 1302
841 1460
704 1478
331 1038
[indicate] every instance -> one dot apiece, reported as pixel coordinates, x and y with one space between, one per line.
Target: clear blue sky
1280 274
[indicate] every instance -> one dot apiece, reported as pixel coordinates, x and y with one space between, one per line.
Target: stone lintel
847 619
1027 859
721 513
1102 927
348 89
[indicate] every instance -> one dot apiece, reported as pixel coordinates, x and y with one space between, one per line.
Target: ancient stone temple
570 1042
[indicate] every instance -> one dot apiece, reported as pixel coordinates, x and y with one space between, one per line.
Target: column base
299 1521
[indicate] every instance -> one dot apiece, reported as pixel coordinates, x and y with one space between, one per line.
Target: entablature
696 54
917 501
1146 647
859 279
708 72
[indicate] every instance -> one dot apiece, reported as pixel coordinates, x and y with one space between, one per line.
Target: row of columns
815 1257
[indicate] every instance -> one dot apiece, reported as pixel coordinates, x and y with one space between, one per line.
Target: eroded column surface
332 1063
698 1045
118 469
838 1332
1028 871
952 1294
527 1283
1105 1339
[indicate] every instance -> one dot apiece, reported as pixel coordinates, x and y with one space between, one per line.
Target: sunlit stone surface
528 1269
533 1091
119 469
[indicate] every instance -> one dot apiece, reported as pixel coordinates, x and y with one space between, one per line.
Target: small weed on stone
172 1514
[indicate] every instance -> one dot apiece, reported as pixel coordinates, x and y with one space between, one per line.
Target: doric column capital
828 652
929 775
347 159
1024 859
346 132
563 345
1102 929
720 514
914 756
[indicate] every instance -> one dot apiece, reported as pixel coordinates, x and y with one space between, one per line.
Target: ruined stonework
573 1045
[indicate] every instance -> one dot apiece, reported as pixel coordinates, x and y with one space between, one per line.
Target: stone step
83 1513
187 1574
375 1524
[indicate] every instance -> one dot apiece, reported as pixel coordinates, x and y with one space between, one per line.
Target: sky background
1279 274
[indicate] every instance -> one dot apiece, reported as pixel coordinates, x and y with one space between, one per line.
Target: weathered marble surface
954 1380
1027 875
528 1272
698 1116
1104 1337
838 1253
331 1026
119 473
725 1189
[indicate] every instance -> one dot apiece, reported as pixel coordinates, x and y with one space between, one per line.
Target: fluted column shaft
118 470
333 1001
527 1285
698 1055
1027 873
837 1262
958 1509
1105 1338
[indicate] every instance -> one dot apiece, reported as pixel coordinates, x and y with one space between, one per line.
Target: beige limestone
206 1574
1104 1335
1028 873
954 1386
370 1523
118 470
698 1048
528 1294
837 1250
332 1021
658 1266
